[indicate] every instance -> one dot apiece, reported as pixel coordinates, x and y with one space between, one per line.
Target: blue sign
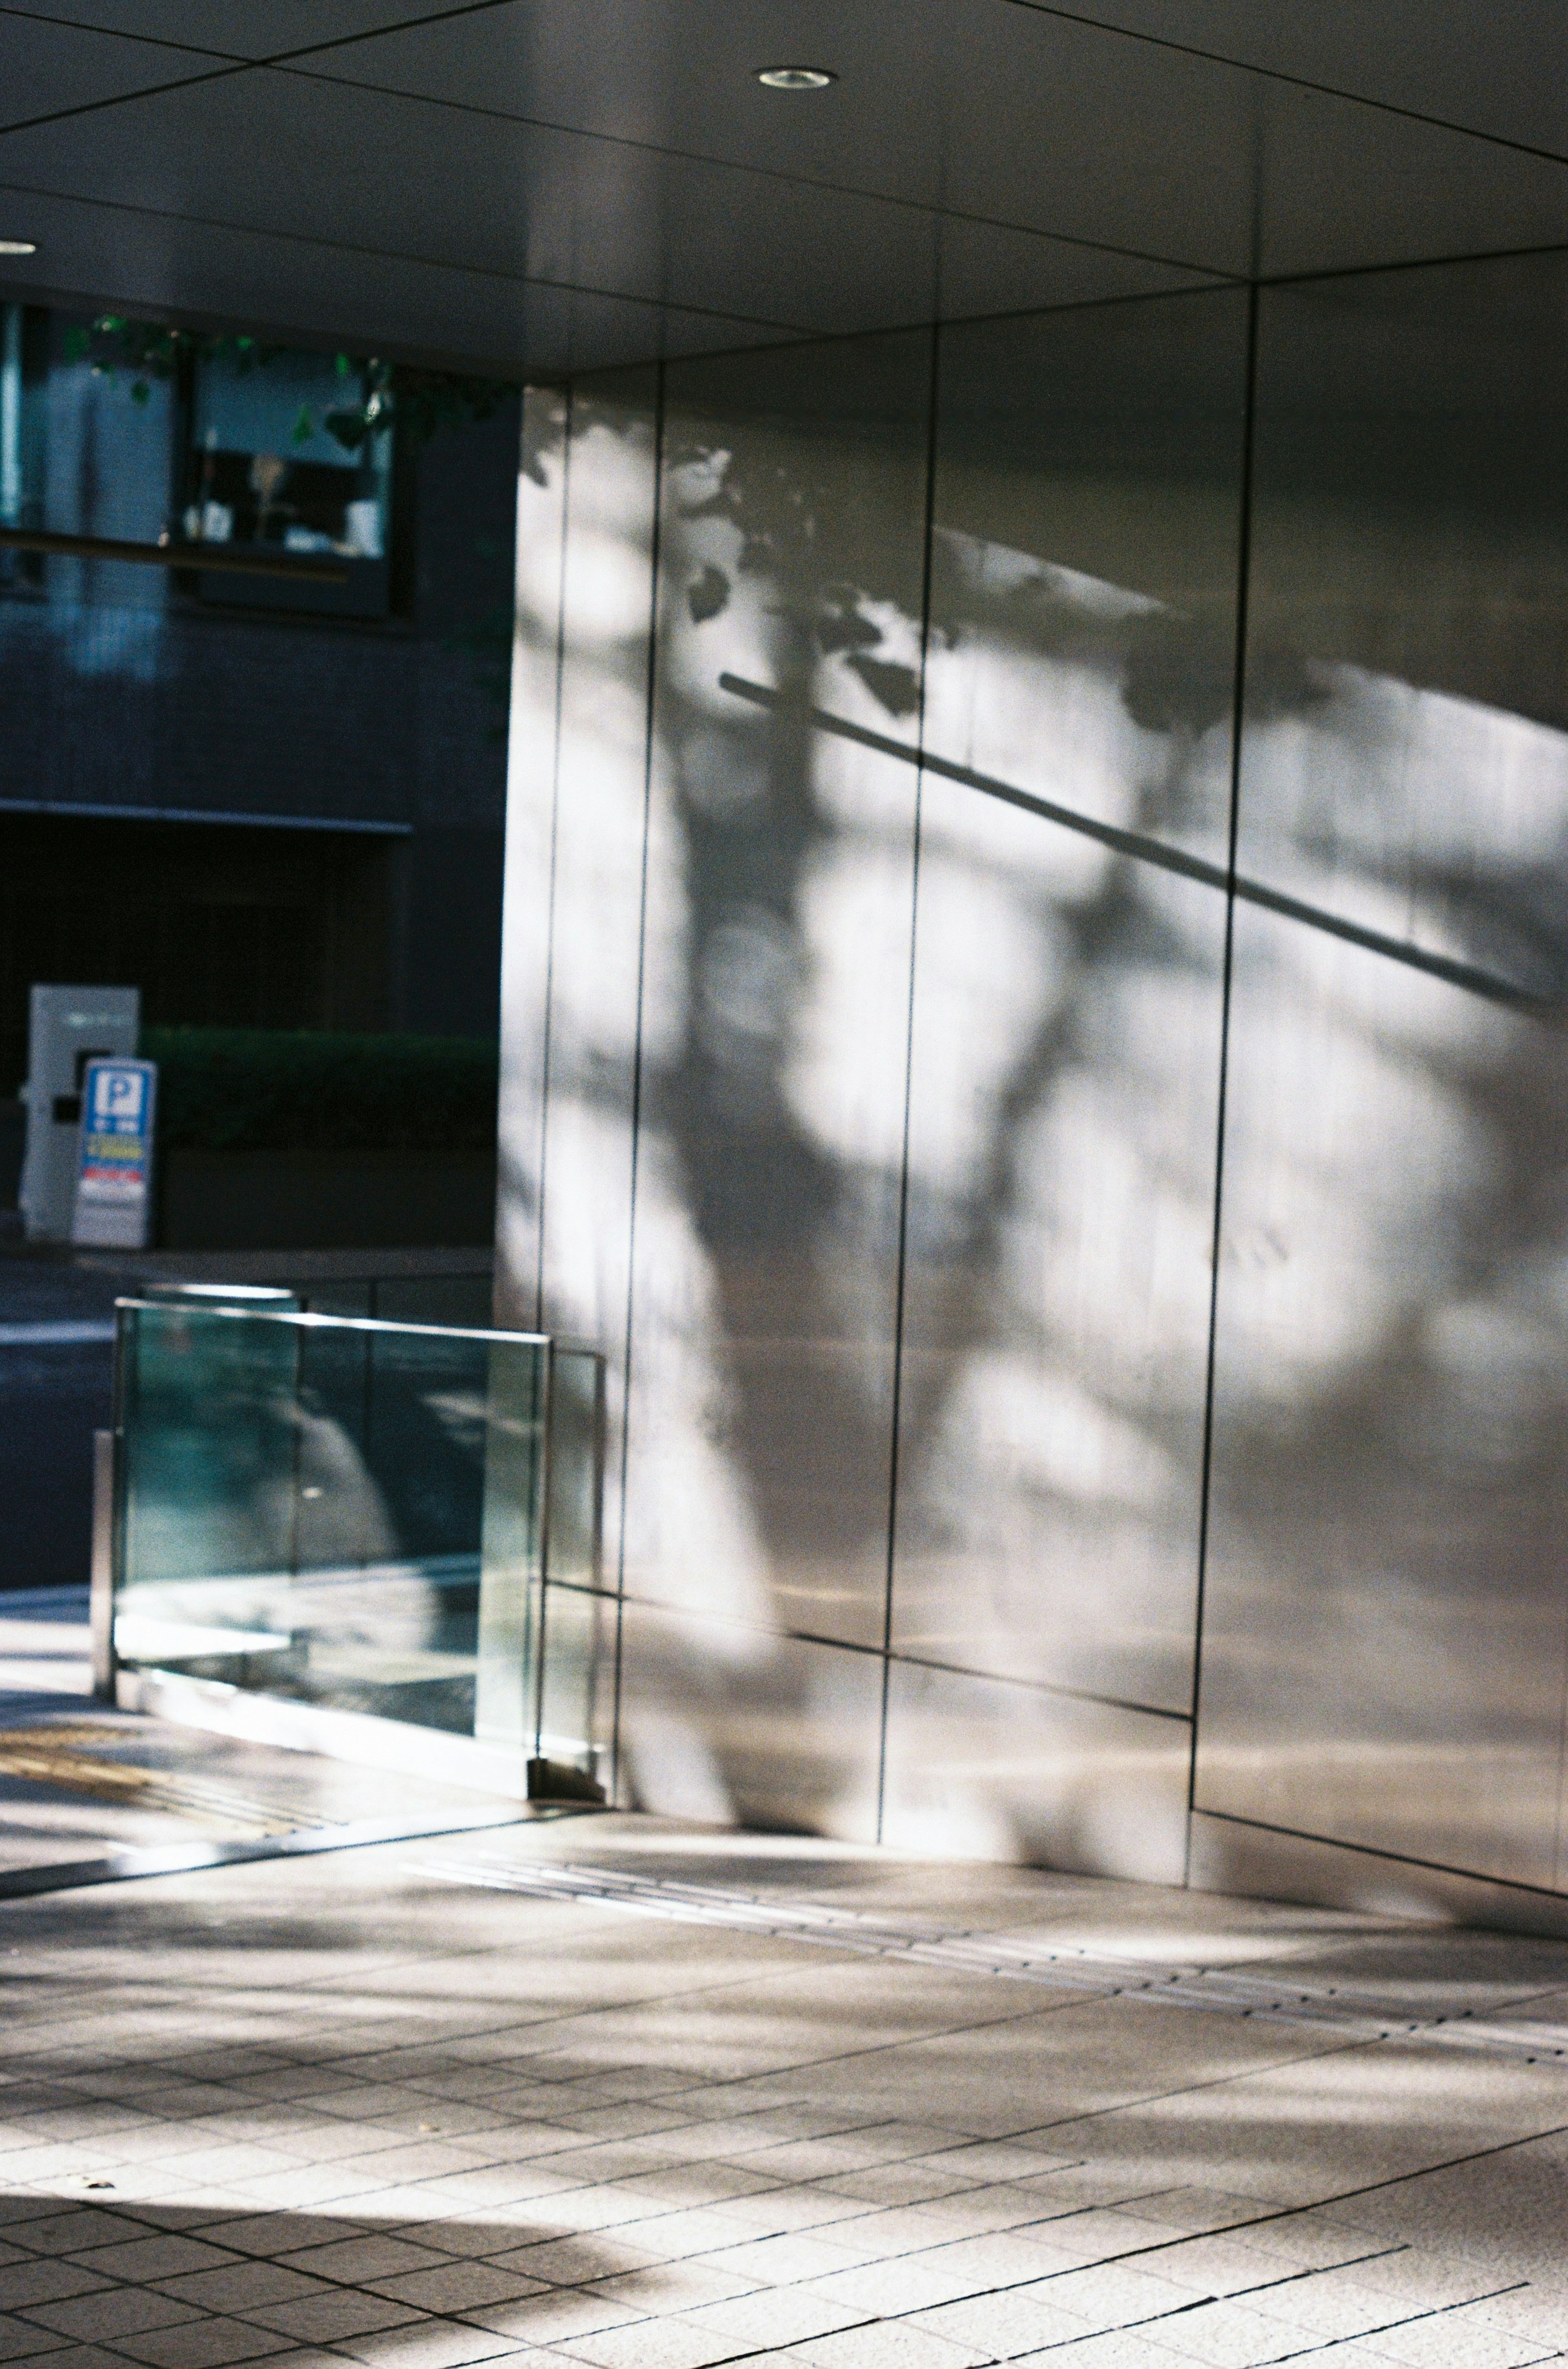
114 1168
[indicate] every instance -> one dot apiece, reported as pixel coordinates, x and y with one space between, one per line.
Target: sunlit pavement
611 2091
82 1784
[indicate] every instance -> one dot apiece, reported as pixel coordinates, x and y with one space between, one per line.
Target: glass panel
507 1694
460 1300
775 1014
1406 753
347 1297
313 1507
207 1401
573 1691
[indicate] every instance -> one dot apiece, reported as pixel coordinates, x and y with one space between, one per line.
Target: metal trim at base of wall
1232 1855
350 1735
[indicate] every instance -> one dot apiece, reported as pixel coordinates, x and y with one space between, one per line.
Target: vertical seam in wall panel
648 710
1237 717
550 899
1559 1856
928 539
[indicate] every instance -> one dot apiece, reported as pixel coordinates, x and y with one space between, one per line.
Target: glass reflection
314 1507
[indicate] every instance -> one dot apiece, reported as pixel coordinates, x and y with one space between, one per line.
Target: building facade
266 803
1032 988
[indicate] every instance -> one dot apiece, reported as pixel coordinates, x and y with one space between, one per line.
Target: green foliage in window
299 1089
376 393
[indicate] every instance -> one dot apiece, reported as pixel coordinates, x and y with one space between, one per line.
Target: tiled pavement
361 2109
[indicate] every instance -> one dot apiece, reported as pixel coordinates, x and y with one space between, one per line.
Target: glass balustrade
394 1520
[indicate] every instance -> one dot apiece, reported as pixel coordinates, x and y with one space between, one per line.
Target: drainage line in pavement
304 1842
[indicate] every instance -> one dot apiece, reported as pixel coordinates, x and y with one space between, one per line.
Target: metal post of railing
101 1594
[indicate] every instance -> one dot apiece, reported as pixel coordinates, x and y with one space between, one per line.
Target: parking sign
114 1172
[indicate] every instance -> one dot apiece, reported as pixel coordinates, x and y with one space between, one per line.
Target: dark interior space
219 925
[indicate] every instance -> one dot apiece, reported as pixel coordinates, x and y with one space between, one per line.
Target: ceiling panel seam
859 190
1290 81
120 98
117 33
231 63
264 58
400 254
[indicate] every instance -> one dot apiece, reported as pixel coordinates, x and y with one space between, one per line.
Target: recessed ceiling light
795 78
17 246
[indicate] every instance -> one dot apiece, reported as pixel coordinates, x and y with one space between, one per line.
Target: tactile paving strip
1356 2012
71 1757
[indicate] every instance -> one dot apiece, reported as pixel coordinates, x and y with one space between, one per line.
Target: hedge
296 1090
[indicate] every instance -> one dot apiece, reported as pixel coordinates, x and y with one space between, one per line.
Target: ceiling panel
470 182
972 104
46 68
312 291
1344 187
239 28
1021 114
1497 69
387 176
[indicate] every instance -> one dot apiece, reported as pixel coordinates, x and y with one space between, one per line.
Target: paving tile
68 2232
430 2345
775 2316
1459 2338
243 2286
558 2316
459 2286
165 2256
652 2344
890 2344
771 2212
569 2260
451 2110
676 2286
44 2278
1007 2324
82 2356
332 2316
783 2261
114 2313
360 2260
20 2339
1230 2336
206 2343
